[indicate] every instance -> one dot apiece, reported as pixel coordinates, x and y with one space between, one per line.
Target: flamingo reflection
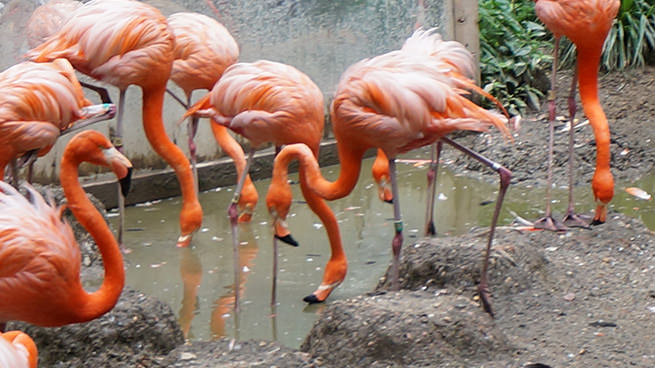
191 272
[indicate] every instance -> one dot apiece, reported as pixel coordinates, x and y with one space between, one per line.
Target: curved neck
350 164
588 61
153 126
92 305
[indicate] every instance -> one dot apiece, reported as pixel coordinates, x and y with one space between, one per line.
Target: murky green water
198 281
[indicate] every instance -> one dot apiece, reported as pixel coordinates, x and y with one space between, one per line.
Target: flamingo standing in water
39 257
396 102
124 42
266 101
38 103
203 50
17 350
586 23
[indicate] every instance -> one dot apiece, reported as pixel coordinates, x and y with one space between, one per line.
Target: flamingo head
93 147
602 185
278 202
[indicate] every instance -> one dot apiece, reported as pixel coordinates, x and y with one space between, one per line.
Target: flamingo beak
282 231
121 166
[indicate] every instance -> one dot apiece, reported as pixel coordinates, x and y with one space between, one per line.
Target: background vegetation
516 48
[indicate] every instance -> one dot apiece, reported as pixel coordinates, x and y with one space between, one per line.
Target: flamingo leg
397 242
571 218
233 214
192 129
274 287
117 141
548 222
435 153
179 100
14 173
505 177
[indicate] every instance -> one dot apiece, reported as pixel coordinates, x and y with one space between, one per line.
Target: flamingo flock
393 103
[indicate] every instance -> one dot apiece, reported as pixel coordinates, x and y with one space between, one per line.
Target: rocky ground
583 298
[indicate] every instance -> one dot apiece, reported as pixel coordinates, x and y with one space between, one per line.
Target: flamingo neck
153 125
92 305
588 61
350 164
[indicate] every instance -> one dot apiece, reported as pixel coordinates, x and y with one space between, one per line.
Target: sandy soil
584 298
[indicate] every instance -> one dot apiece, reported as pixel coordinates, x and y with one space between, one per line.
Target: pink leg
571 218
548 222
435 153
397 242
505 176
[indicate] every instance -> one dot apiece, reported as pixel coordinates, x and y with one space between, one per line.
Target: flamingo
204 48
38 103
266 101
586 23
395 102
39 257
47 19
17 350
124 42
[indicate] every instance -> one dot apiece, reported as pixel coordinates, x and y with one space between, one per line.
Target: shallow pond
198 281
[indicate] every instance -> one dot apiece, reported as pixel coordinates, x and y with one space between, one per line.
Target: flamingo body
203 50
267 101
37 102
39 257
125 42
586 23
47 19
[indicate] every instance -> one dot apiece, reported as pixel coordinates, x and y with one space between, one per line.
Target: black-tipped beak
596 222
389 201
126 182
288 239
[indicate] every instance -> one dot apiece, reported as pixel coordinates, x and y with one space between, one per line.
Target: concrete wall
320 37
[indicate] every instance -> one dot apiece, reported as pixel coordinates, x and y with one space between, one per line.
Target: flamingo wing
120 42
270 101
203 50
410 97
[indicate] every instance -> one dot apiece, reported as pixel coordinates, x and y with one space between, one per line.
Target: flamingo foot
485 298
573 219
323 291
549 223
184 240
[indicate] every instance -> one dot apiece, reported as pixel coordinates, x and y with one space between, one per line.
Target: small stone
569 297
187 356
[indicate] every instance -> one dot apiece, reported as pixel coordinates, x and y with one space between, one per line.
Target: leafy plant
513 53
630 41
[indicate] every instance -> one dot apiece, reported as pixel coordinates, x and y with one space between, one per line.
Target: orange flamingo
38 103
17 350
47 19
586 23
39 257
124 42
267 101
203 50
396 102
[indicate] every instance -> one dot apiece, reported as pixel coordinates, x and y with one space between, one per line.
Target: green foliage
514 56
630 41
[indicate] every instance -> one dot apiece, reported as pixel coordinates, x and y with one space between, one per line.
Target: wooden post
466 31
